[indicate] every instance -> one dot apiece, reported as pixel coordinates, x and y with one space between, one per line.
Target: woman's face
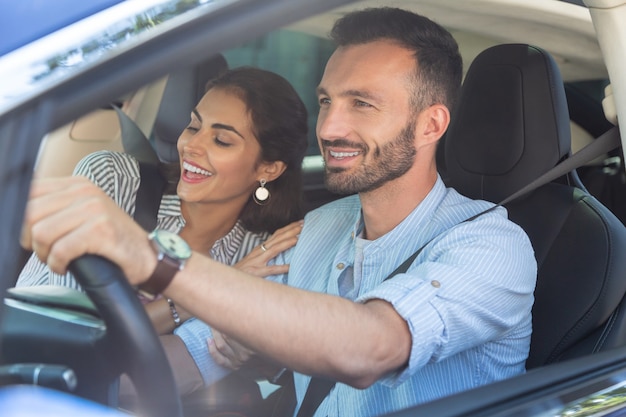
219 154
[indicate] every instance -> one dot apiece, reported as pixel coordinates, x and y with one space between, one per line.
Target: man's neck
387 206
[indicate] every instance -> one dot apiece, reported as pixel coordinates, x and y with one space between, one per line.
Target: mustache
342 143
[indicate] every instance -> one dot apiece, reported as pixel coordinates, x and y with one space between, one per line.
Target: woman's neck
206 223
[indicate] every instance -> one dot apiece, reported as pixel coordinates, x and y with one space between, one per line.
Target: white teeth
195 169
339 155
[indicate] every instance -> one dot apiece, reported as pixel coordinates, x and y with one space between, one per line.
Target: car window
298 57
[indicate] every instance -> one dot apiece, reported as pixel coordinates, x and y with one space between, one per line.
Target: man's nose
333 122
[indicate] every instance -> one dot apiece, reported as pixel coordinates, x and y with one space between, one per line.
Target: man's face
366 126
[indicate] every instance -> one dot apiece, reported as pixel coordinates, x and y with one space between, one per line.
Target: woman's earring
261 195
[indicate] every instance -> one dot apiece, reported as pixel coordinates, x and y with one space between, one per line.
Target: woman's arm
166 315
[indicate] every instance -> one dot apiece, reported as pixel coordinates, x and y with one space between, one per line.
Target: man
458 318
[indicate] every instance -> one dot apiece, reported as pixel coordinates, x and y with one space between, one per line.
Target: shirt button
352 235
435 283
340 266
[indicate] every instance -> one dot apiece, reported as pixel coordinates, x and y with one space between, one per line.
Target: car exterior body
58 79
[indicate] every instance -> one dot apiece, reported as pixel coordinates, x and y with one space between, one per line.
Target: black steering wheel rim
137 350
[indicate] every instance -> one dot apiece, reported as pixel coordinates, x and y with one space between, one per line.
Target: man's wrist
172 252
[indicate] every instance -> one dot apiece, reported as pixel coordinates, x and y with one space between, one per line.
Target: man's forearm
310 332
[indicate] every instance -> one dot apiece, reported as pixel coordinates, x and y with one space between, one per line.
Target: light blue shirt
467 298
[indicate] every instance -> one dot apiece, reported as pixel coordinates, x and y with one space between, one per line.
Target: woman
238 181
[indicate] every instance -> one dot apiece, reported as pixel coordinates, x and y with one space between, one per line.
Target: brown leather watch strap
172 252
161 277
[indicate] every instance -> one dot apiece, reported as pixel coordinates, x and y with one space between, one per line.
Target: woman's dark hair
279 120
439 63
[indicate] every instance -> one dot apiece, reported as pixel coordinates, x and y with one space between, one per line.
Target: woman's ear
269 171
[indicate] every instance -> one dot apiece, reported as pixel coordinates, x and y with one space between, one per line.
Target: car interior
512 125
487 153
484 155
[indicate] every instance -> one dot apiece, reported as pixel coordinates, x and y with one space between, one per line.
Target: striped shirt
118 175
467 298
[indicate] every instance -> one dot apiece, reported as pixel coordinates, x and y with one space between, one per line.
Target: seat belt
604 144
152 184
319 388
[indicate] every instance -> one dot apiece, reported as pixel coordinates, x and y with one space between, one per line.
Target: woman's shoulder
246 241
252 239
116 173
115 163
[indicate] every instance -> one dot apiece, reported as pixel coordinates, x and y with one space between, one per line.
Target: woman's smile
193 173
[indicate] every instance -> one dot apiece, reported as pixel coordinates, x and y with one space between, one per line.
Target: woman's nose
190 143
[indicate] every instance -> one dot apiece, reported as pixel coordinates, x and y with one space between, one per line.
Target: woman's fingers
219 354
281 240
227 352
268 270
255 263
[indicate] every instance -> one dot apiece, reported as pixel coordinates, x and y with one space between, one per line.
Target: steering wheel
136 349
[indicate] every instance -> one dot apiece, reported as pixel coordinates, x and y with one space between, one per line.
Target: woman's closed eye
194 125
220 142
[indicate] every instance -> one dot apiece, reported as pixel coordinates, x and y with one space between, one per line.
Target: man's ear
269 171
432 123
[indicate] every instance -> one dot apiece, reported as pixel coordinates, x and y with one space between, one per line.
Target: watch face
172 244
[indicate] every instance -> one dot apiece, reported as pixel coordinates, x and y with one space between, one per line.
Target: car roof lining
574 46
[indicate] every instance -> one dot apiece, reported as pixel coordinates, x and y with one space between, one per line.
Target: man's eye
324 101
360 103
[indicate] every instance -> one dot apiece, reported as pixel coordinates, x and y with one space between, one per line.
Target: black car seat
183 90
511 125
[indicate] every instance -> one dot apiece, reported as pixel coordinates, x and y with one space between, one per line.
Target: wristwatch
172 254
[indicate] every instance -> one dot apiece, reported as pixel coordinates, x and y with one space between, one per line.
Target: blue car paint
24 21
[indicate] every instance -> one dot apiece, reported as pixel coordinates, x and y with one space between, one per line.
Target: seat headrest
183 90
511 123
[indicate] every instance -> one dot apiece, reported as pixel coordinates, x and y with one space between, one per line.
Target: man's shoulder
348 204
333 218
480 218
458 206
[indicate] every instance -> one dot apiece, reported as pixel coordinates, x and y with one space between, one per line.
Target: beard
387 163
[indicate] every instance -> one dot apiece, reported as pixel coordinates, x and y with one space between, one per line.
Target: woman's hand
228 352
255 263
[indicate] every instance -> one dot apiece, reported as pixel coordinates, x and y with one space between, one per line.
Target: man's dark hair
439 63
